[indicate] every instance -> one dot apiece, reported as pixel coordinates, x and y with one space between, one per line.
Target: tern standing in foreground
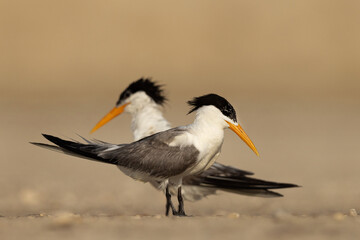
143 99
171 155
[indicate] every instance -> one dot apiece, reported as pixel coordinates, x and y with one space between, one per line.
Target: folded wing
151 156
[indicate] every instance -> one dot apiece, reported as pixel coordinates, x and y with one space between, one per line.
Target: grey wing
153 155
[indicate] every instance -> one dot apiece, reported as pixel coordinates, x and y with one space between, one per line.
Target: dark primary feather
151 88
89 151
230 179
215 100
244 182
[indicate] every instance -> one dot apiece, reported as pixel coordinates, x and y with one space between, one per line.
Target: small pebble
353 212
339 216
66 219
29 197
233 215
282 215
158 216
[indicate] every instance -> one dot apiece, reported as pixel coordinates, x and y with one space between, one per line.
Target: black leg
169 203
181 211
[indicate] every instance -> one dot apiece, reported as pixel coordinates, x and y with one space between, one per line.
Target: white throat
206 133
209 126
148 121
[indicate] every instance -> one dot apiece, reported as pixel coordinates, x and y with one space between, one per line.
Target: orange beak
241 133
113 113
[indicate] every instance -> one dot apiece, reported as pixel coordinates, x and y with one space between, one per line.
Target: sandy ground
290 69
48 195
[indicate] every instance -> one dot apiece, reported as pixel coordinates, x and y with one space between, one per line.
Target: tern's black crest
152 89
213 99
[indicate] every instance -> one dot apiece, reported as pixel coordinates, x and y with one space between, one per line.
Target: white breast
205 163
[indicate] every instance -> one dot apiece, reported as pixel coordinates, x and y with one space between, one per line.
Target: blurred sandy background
290 68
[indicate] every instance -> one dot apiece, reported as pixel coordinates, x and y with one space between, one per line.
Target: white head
138 95
217 109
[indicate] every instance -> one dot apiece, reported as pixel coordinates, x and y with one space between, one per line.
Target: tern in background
169 156
144 100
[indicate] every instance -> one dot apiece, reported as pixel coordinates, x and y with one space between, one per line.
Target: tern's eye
226 111
126 94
